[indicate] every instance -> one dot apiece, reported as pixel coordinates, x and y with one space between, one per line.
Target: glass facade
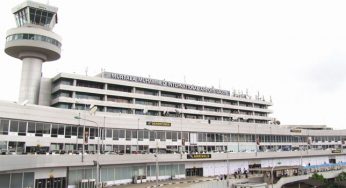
29 36
204 140
17 180
30 15
125 173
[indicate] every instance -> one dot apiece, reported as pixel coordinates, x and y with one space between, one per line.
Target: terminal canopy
32 13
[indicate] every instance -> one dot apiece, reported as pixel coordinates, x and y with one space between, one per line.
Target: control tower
33 42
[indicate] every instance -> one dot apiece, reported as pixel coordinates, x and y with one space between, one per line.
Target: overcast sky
293 51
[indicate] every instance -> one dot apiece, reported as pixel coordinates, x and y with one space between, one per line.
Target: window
169 135
109 133
31 127
161 135
46 128
140 135
128 134
61 130
146 102
169 94
92 133
210 137
122 133
68 131
146 91
4 127
14 126
88 96
134 133
74 131
185 136
152 136
96 85
55 130
119 88
174 136
80 132
22 128
115 134
119 110
39 129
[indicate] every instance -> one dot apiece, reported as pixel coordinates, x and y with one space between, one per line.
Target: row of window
27 36
22 128
161 113
98 85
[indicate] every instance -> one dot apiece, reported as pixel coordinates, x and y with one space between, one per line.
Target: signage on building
336 151
158 123
165 83
198 156
296 131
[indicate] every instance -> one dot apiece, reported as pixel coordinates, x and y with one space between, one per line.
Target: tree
318 177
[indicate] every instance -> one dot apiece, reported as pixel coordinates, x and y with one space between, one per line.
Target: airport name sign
198 156
157 123
165 83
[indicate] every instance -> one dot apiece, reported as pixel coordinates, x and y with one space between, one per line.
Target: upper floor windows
193 97
119 99
89 96
170 94
89 84
170 104
63 81
146 102
213 100
62 93
146 91
119 88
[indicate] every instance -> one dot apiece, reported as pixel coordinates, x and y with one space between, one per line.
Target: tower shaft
30 80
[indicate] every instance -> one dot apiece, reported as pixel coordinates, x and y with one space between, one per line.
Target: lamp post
272 173
157 168
271 138
98 148
227 168
137 147
238 138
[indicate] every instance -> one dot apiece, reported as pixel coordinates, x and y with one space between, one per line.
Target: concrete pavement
170 183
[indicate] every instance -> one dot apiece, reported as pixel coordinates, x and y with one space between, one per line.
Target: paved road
169 184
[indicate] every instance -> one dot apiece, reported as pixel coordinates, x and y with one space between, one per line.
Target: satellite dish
145 111
92 109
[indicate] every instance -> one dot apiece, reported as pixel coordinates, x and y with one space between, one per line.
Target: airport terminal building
113 128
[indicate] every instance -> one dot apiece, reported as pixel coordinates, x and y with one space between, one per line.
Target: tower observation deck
33 42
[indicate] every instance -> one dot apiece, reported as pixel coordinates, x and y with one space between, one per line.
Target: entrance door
50 183
194 172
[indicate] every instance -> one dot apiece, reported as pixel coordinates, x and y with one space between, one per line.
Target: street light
238 138
156 155
272 173
98 146
179 114
300 149
137 148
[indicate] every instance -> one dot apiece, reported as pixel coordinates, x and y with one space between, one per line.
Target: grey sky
293 51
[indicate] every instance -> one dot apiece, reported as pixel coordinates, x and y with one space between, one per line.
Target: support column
30 80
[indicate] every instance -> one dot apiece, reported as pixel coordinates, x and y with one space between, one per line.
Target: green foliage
318 177
341 177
